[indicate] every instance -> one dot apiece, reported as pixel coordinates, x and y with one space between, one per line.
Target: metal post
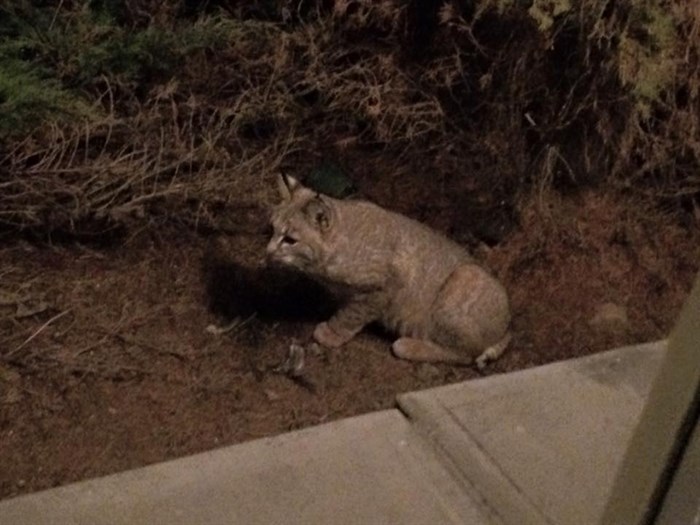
655 482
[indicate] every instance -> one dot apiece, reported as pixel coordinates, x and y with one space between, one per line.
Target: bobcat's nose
271 249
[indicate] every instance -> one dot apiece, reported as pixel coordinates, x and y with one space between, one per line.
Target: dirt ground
109 360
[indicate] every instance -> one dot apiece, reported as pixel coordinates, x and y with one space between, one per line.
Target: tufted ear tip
287 185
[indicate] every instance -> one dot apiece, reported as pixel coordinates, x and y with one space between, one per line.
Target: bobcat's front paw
329 338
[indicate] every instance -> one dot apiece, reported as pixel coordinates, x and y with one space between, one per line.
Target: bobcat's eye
286 239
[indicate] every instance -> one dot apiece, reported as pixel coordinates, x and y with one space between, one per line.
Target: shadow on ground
236 289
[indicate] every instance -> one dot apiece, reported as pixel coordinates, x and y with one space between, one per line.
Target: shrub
150 109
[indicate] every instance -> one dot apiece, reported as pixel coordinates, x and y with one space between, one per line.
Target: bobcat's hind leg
422 350
493 352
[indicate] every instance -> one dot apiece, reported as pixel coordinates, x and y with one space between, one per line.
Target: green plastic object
330 180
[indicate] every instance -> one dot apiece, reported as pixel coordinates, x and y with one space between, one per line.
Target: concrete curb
542 446
367 469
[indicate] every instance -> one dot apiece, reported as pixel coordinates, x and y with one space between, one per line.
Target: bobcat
386 267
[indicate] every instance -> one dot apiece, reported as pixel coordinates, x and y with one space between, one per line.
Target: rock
427 372
609 317
271 395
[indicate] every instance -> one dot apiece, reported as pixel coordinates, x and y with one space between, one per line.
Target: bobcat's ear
287 185
320 213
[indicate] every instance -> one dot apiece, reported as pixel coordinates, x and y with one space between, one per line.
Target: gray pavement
539 446
369 469
542 445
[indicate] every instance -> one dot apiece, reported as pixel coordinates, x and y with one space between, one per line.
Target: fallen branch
55 318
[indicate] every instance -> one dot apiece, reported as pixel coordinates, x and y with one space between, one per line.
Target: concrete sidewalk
543 445
539 446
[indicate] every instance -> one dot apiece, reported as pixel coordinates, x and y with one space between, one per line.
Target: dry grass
544 97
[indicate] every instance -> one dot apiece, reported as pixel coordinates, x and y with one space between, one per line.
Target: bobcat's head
301 224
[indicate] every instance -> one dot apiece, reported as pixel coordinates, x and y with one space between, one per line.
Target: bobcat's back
408 260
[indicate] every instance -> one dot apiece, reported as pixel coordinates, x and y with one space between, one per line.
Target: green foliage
28 92
330 179
27 98
647 60
545 12
645 55
51 57
101 48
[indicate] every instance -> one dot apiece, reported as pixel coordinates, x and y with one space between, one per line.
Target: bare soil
108 363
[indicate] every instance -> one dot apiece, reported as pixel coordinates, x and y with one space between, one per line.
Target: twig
41 329
236 324
147 346
118 373
55 15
